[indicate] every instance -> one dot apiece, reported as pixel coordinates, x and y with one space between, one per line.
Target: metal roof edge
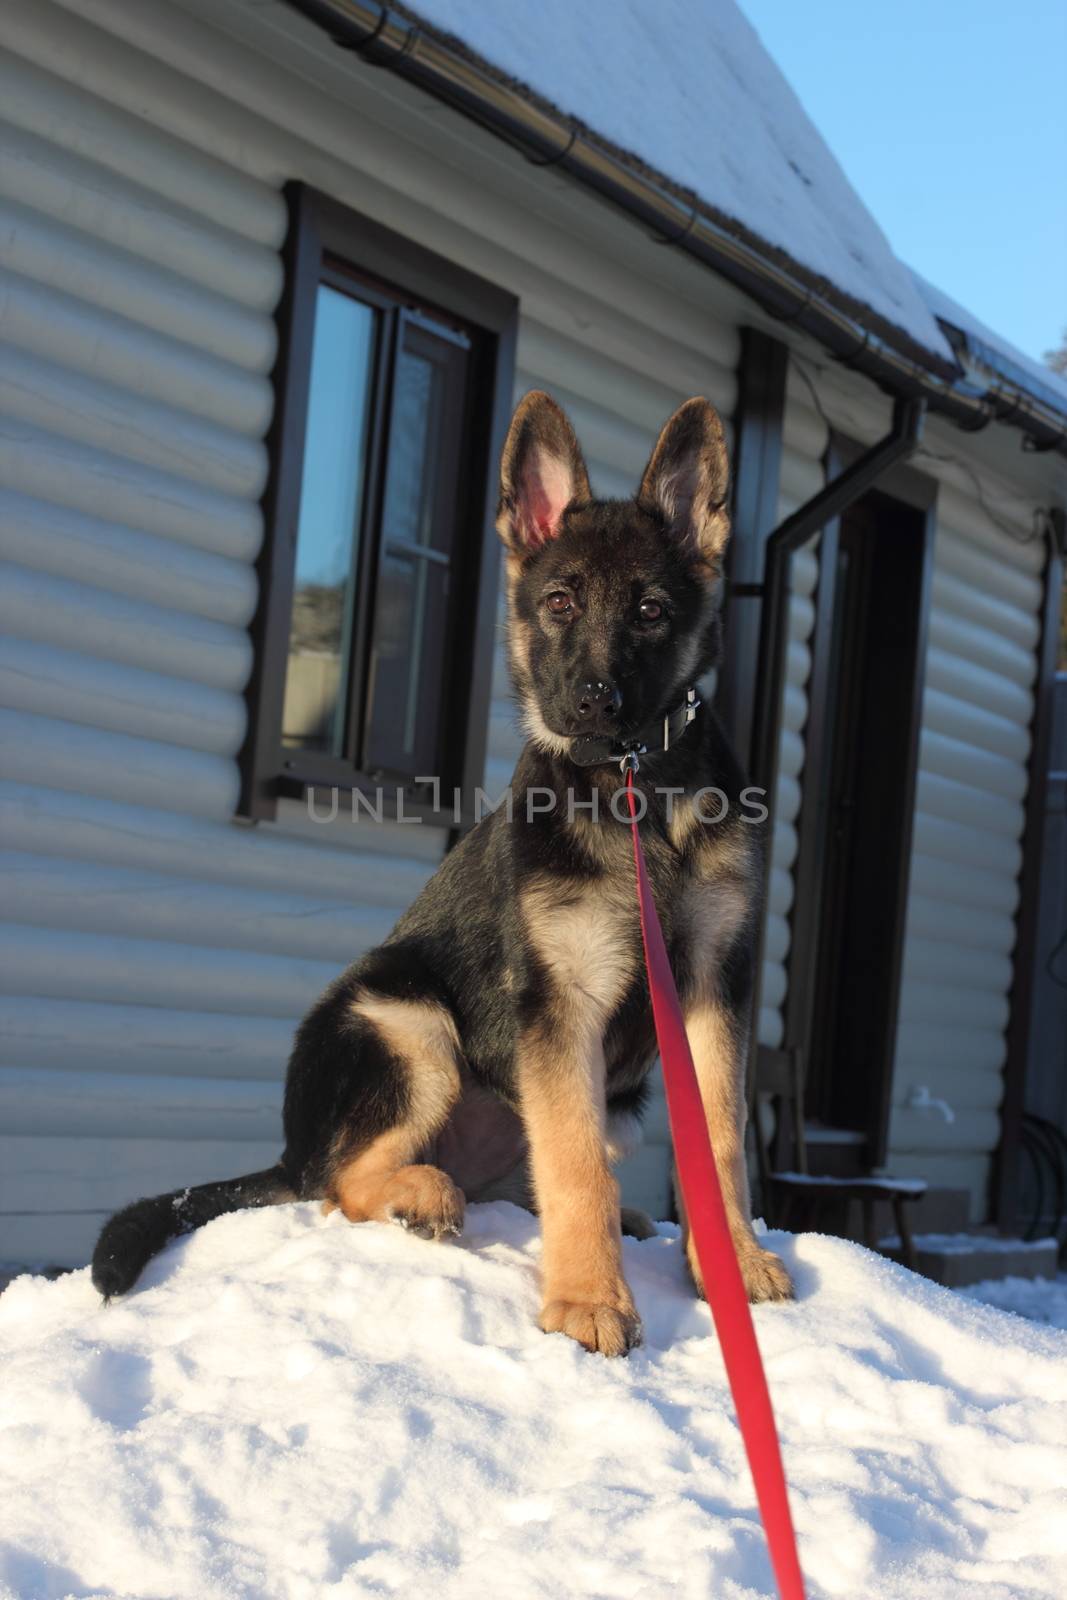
451 72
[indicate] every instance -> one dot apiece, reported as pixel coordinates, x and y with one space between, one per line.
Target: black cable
1040 525
801 372
1046 1147
1061 944
1039 1131
1056 1143
1040 522
1029 1151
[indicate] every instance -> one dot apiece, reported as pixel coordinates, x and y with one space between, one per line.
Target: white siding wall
967 850
155 954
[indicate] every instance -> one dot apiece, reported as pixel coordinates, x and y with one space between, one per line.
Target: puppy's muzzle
597 706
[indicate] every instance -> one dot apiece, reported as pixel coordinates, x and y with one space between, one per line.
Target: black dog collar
588 750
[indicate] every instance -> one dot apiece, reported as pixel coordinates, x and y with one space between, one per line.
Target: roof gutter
547 138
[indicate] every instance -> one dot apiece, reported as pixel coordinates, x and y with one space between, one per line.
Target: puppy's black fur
501 1038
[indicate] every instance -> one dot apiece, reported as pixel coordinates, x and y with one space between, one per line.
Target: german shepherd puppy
498 1043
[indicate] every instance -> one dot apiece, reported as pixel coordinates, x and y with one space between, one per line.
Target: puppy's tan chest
584 935
585 932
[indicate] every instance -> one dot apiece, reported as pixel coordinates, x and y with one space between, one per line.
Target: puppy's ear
541 473
687 481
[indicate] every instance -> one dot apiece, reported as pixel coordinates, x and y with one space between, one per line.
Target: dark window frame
324 238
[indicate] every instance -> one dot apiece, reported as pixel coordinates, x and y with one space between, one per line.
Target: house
273 275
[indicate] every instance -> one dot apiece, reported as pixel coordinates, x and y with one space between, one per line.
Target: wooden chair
791 1195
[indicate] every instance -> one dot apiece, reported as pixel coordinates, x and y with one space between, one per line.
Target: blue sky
950 119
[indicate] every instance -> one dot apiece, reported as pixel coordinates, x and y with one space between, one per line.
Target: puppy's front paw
612 1330
425 1201
764 1276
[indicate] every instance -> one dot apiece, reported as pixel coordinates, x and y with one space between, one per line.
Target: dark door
859 803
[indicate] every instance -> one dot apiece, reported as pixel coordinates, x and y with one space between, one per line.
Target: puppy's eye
650 611
559 603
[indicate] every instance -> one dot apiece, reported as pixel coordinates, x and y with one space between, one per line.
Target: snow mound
293 1407
1039 1299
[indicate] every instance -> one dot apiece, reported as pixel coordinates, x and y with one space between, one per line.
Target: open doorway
856 822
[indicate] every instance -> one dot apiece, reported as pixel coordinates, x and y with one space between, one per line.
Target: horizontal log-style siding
155 955
978 702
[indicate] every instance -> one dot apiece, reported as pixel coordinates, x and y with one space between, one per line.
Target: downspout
547 138
830 501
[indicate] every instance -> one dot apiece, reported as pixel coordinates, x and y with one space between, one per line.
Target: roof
688 90
976 345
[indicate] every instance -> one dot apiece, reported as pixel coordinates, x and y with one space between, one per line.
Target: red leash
711 1235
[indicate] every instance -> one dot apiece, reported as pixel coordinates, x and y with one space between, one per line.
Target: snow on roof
688 88
289 1406
992 351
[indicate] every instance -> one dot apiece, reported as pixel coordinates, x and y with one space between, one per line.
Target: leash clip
630 763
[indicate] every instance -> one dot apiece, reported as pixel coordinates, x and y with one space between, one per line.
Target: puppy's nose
598 702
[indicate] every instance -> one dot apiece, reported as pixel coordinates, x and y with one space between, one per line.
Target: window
374 631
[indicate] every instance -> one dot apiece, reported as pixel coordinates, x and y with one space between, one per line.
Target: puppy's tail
130 1239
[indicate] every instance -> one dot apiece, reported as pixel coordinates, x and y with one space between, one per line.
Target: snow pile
294 1407
1038 1299
689 89
985 1244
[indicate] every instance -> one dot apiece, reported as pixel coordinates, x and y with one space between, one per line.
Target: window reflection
328 533
410 644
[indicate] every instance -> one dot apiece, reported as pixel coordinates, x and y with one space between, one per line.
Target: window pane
414 446
335 454
410 641
407 664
